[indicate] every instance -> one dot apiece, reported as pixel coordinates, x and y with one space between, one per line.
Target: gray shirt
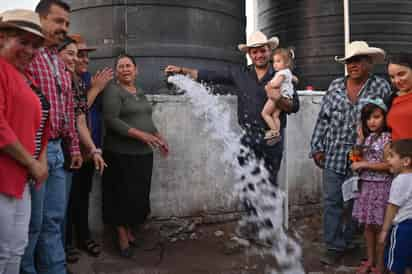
122 111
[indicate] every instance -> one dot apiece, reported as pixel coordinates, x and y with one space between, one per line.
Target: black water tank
314 28
192 33
383 23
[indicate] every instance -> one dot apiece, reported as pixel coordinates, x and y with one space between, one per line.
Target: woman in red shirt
400 115
23 123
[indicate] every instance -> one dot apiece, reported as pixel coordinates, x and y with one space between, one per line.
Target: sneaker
331 257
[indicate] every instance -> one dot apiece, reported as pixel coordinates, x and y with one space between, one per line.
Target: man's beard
262 66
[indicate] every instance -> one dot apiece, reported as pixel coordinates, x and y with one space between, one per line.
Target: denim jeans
337 215
14 228
45 253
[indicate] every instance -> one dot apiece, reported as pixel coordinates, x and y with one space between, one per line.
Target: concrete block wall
194 180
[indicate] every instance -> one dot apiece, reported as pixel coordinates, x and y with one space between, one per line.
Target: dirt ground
204 252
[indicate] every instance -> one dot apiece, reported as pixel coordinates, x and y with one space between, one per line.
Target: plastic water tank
314 28
192 33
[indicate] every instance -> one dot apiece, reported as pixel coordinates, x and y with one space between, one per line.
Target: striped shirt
45 110
62 118
335 128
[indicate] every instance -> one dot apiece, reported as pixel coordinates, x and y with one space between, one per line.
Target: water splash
252 187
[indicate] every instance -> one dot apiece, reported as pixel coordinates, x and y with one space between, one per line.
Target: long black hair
366 113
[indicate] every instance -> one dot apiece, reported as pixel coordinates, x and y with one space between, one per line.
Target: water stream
251 187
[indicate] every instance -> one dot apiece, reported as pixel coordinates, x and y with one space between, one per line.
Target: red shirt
62 119
20 115
400 117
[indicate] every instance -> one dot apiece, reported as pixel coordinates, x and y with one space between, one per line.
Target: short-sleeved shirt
286 87
373 153
335 128
401 196
251 94
400 117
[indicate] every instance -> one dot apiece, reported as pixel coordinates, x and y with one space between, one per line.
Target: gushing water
252 186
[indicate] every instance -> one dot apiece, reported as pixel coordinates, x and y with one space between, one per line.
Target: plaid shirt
335 128
62 119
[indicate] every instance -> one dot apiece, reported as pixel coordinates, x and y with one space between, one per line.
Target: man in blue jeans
45 253
334 136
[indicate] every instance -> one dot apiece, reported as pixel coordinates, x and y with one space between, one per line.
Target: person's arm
276 82
71 133
390 213
35 168
319 132
98 83
87 141
385 140
381 166
223 76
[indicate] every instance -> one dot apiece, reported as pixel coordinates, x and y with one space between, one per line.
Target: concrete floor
206 254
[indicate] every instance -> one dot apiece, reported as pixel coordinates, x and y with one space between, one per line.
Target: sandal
92 248
364 268
72 255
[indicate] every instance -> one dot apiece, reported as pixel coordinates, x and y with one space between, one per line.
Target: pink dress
369 207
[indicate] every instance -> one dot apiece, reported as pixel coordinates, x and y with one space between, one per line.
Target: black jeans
78 208
271 155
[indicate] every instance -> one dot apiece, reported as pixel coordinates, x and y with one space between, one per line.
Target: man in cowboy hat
250 84
335 134
45 252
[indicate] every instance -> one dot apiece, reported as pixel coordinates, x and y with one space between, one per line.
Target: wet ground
189 248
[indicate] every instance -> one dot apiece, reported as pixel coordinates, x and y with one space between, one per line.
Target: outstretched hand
172 69
101 78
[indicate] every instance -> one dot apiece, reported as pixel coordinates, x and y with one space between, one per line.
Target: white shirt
286 87
401 195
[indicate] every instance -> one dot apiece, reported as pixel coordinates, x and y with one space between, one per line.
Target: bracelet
181 70
95 151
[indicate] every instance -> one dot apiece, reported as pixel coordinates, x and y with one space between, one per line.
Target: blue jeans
337 215
45 253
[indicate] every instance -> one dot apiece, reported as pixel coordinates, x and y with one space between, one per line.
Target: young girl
375 180
282 63
398 217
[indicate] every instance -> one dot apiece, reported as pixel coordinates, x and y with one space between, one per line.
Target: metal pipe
346 27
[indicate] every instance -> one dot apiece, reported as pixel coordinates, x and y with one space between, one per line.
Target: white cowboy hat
26 20
357 48
258 39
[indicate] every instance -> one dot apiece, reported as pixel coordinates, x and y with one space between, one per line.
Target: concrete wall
193 179
298 170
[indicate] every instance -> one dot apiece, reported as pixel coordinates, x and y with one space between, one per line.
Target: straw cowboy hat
26 20
357 48
258 39
81 43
